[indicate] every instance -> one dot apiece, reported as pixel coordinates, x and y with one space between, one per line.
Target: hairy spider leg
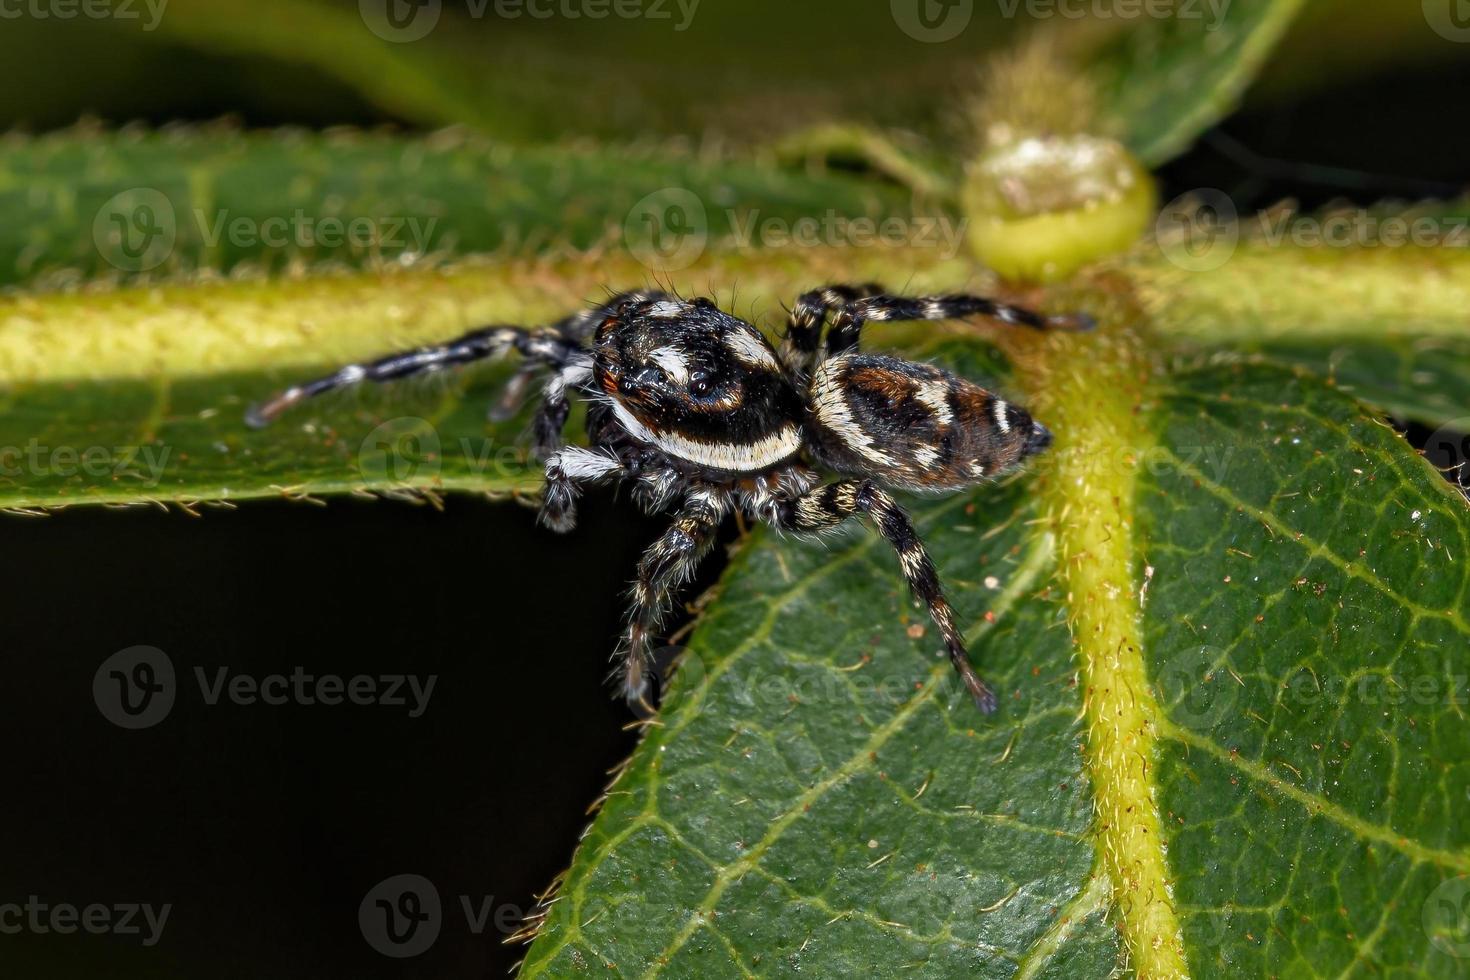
804 326
544 346
665 566
567 470
828 506
847 323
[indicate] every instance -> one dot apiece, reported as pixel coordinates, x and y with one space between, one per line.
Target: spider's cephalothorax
700 413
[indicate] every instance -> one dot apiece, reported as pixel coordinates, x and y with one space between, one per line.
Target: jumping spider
695 408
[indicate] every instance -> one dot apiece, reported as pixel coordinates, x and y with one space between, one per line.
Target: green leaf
1164 80
1374 299
129 442
1420 378
1220 769
1310 601
86 204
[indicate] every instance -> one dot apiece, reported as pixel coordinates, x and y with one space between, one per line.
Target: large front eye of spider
647 376
700 384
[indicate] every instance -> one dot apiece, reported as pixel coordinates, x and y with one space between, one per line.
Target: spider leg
804 326
826 507
667 564
578 330
551 417
848 322
567 470
541 346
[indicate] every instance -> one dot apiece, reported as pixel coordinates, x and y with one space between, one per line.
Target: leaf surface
1220 769
1165 80
133 206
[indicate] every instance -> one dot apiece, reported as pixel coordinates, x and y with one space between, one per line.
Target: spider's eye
701 385
645 377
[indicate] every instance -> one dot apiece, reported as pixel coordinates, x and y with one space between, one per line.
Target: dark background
264 826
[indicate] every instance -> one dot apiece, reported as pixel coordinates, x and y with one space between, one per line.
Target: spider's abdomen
913 425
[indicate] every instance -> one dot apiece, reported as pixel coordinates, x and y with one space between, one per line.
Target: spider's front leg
847 323
545 347
826 507
667 564
567 470
804 326
551 417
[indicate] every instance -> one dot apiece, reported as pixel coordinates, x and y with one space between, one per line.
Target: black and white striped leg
542 346
667 565
847 323
804 326
551 417
826 507
566 471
